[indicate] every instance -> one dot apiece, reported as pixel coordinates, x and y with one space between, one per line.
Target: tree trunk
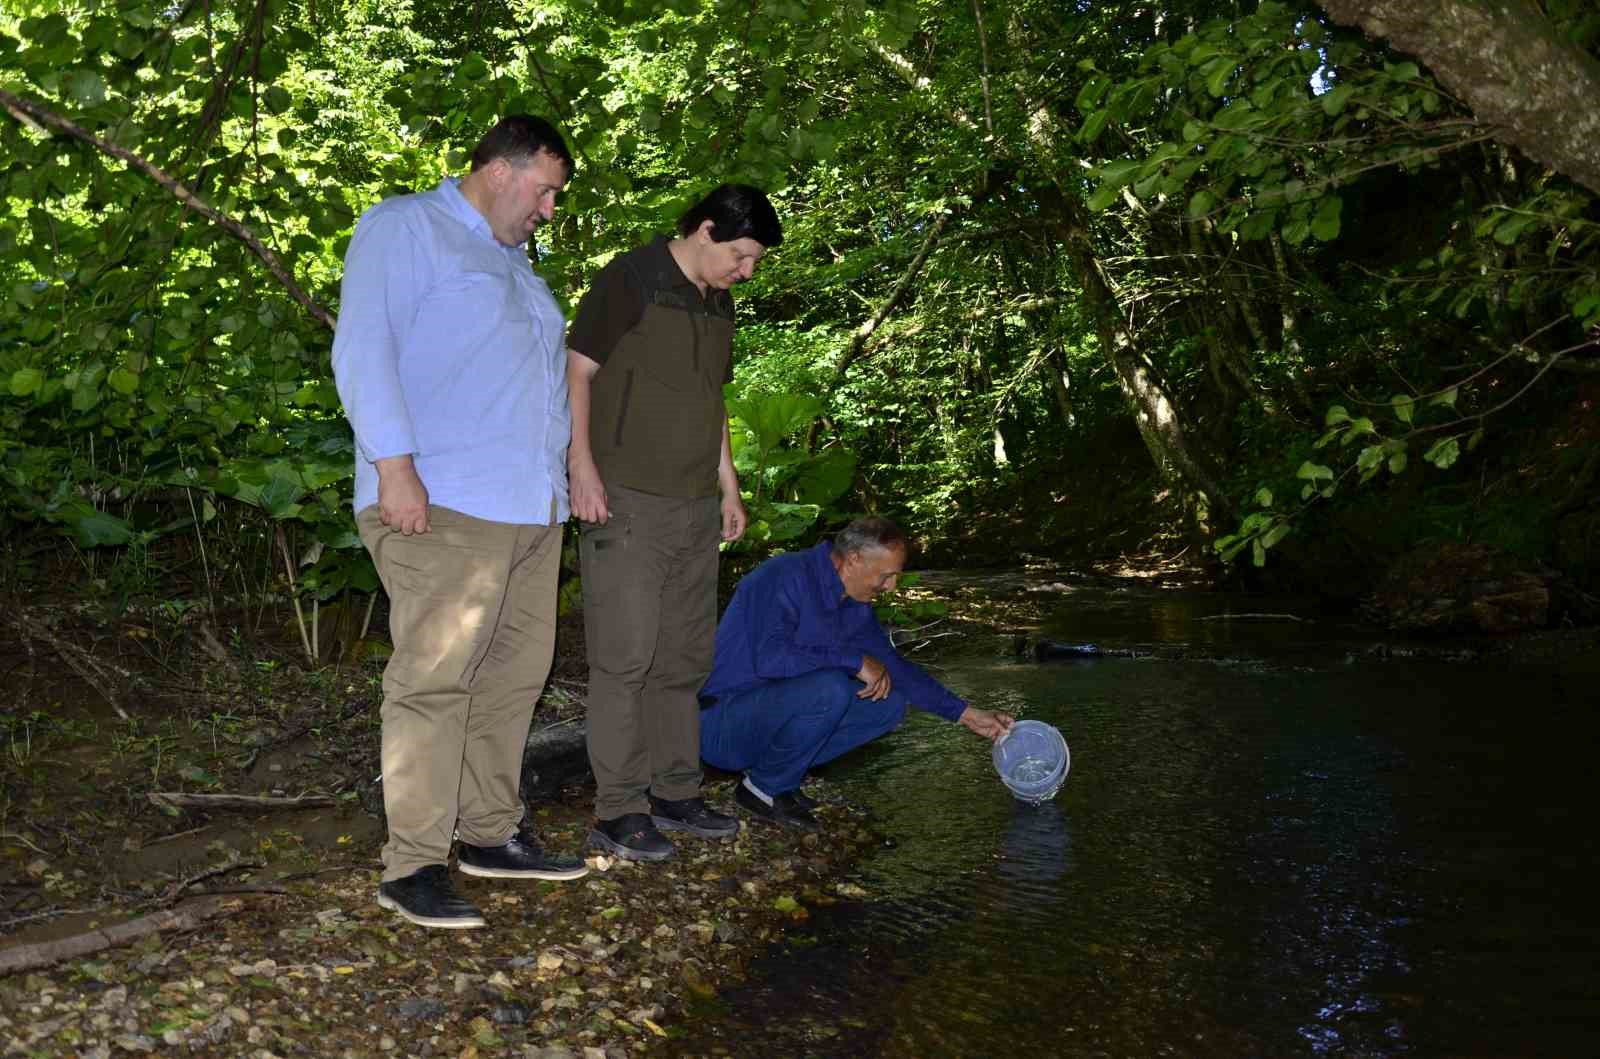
1510 65
1178 460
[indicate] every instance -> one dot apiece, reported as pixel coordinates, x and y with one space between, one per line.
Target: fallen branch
1250 617
97 674
259 802
44 953
174 891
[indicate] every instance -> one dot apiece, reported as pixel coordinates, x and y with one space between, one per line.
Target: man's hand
875 677
587 491
402 498
734 518
991 724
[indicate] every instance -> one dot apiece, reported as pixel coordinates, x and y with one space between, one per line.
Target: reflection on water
1273 859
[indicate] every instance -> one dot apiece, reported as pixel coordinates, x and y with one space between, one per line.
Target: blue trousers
774 732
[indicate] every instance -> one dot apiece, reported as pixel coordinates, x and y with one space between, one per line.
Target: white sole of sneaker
456 923
547 874
599 840
666 823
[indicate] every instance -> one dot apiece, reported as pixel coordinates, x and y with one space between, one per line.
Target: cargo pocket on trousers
607 539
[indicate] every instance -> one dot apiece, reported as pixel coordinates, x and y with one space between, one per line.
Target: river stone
420 1008
1456 588
510 1014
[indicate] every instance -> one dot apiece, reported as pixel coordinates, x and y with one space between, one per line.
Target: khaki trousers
650 623
472 615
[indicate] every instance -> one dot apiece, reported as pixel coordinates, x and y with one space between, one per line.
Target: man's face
870 573
524 196
724 264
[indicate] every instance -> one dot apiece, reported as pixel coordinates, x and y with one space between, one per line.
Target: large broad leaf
785 522
97 529
826 477
774 417
280 497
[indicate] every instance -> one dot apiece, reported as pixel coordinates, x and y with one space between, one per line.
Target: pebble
509 1014
420 1008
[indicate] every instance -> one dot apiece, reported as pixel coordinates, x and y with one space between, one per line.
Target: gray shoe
631 836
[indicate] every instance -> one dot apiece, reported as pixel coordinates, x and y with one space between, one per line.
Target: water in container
1032 759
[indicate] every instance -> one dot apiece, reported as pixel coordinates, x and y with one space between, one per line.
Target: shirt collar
669 274
449 190
828 579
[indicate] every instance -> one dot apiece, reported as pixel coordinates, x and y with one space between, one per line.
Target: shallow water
1287 853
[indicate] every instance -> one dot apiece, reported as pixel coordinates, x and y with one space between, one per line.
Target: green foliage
1285 215
789 488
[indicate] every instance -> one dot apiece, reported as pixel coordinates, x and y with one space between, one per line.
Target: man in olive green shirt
652 481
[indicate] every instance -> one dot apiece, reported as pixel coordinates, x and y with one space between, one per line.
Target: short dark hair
865 534
736 211
517 138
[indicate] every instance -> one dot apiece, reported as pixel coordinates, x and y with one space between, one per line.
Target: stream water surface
1288 848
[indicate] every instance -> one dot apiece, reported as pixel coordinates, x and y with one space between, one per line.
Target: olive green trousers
650 624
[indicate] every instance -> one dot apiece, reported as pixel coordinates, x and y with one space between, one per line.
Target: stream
1270 843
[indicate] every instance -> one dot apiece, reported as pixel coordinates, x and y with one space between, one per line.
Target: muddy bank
603 965
293 956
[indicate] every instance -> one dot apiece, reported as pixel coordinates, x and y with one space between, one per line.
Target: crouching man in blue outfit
804 673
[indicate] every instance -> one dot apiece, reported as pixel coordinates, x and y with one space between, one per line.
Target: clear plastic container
1032 760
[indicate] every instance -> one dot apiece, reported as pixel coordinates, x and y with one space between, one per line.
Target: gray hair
865 534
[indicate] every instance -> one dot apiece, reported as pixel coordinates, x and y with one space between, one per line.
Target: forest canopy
1057 278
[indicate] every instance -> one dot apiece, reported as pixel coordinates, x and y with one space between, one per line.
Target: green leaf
1115 174
1404 71
773 417
86 86
1221 73
25 381
1263 497
1276 534
1444 453
1200 204
825 477
1103 197
1402 406
97 529
1397 462
1193 131
1336 414
1325 225
1357 428
123 381
1091 93
1334 99
1313 471
1093 126
786 904
1258 552
280 496
277 100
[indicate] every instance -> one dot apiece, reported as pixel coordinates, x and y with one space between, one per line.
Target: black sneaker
784 811
631 836
802 799
427 899
692 815
520 858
